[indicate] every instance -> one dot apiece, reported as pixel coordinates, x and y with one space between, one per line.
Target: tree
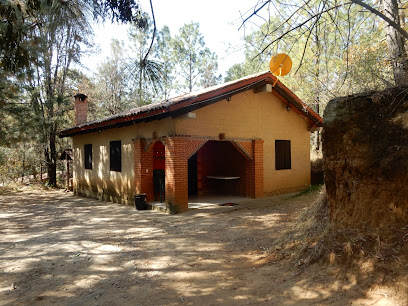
63 28
193 58
19 27
301 19
396 43
113 92
39 42
209 75
165 53
145 72
331 65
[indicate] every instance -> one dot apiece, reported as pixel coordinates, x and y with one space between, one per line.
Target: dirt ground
56 248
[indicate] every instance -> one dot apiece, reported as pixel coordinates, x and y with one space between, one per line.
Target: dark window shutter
279 155
287 157
115 156
88 156
282 155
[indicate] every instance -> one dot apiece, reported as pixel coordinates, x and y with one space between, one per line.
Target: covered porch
198 171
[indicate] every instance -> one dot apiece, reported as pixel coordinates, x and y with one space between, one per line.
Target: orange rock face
365 148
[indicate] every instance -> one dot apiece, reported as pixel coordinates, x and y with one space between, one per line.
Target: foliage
330 66
141 79
336 23
119 11
63 28
195 63
35 107
39 43
19 161
19 25
146 73
112 88
165 53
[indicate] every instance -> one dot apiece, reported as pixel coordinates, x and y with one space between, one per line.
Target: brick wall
254 174
263 116
178 150
245 147
143 156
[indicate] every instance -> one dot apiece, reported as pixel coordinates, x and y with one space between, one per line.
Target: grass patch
9 188
14 187
313 239
313 188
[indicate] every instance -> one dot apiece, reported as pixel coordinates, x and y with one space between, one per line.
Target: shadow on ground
63 249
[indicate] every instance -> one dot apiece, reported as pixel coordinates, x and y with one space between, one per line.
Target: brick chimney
81 108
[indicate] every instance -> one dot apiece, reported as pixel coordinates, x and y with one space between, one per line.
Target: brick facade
254 171
143 163
245 147
178 150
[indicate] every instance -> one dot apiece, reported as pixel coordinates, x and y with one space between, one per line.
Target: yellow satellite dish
280 65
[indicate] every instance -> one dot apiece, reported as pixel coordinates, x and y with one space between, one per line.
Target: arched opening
217 168
159 166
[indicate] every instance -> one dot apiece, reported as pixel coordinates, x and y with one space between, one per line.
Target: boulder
365 149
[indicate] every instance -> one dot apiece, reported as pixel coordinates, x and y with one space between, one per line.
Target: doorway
159 166
219 170
192 176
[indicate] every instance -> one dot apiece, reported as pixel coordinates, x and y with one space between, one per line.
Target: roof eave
195 102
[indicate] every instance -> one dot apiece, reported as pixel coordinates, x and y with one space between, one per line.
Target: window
88 156
115 156
282 154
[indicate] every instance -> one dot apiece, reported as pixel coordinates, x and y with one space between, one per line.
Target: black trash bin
140 202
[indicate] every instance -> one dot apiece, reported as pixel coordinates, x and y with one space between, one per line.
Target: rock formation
365 148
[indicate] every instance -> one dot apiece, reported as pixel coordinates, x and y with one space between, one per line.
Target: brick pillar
178 150
176 174
143 166
81 108
254 178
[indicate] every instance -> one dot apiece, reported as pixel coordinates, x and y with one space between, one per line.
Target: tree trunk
23 168
396 44
190 78
51 159
317 133
317 83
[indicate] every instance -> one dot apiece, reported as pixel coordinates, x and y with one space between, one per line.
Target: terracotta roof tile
191 100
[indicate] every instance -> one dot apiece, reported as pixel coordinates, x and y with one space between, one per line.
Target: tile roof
181 104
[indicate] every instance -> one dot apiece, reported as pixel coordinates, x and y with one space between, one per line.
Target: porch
198 171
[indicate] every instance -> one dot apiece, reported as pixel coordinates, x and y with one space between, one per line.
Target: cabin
242 138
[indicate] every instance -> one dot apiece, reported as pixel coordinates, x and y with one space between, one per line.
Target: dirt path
56 248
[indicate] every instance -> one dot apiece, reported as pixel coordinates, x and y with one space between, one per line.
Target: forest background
43 43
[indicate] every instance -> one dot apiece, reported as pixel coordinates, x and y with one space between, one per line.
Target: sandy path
56 248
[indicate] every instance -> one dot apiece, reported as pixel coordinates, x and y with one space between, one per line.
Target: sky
219 23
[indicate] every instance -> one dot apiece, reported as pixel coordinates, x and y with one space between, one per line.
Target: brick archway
251 172
178 149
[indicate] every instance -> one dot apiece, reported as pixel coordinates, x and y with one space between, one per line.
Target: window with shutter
115 156
282 155
88 156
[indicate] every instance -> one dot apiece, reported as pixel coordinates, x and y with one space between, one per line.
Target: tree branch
382 16
254 13
298 26
154 34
